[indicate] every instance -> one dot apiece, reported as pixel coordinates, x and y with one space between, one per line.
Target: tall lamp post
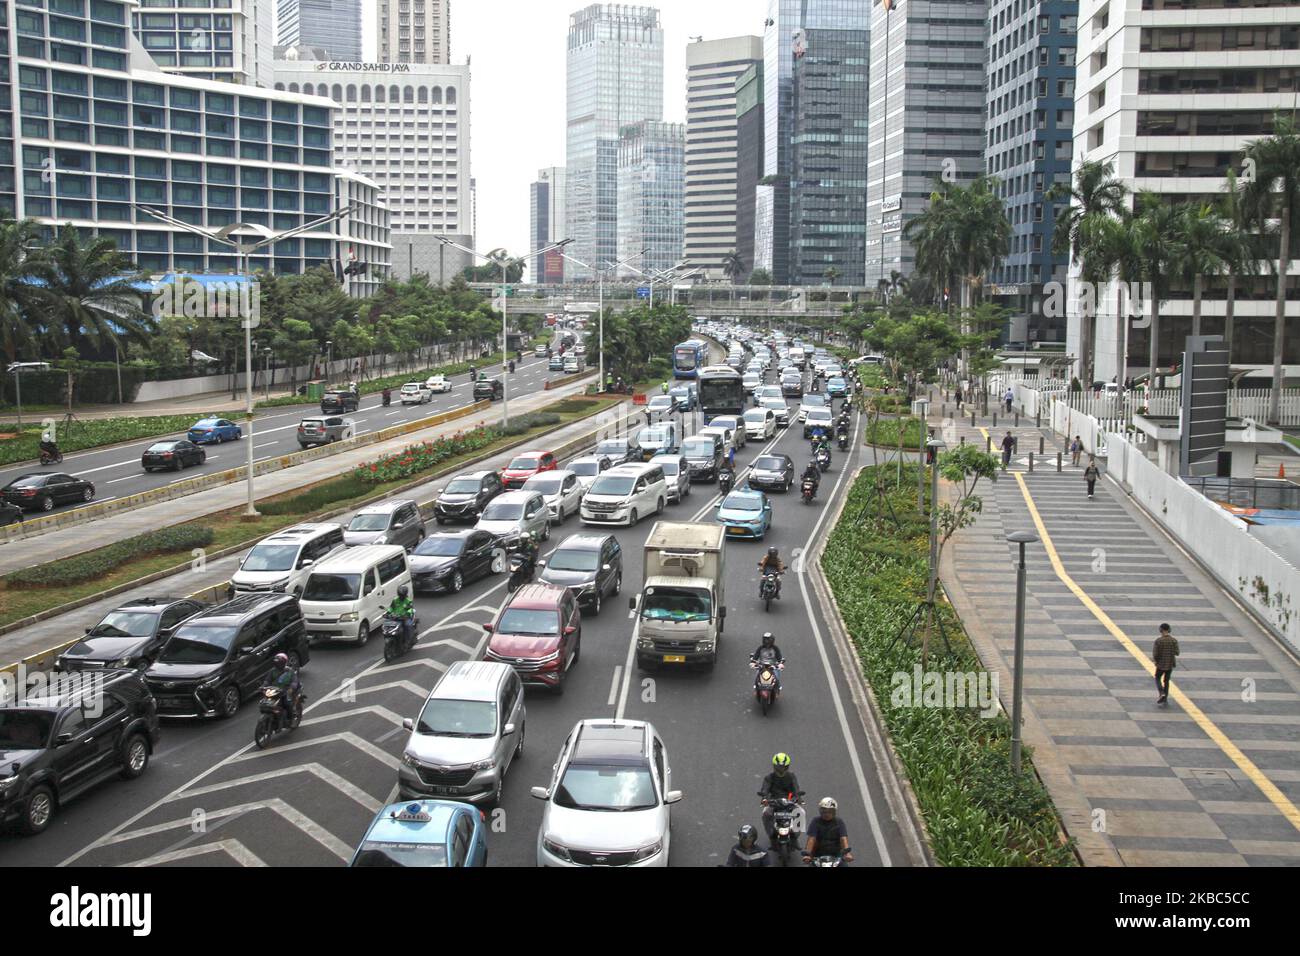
600 305
505 261
245 249
16 368
934 446
1021 538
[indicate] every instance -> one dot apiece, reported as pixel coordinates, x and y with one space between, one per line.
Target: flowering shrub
417 458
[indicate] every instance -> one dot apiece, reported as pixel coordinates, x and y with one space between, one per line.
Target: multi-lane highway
210 798
116 472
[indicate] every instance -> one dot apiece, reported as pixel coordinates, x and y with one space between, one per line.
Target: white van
625 495
283 561
345 595
760 423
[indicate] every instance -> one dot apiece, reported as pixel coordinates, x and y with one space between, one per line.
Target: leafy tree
760 277
734 266
91 294
21 268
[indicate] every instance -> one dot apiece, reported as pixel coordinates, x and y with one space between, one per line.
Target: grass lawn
885 432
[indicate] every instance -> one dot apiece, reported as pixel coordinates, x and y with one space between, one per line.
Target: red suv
525 465
538 634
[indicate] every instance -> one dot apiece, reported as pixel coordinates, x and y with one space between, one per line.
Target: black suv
489 388
130 636
590 565
466 495
220 656
55 747
339 401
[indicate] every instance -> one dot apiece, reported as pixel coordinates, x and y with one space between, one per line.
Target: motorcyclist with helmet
403 609
812 473
768 653
285 678
780 784
772 562
827 834
49 448
746 851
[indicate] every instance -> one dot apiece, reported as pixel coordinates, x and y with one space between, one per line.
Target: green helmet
781 761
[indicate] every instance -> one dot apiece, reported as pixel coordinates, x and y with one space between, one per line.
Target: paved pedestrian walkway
1212 778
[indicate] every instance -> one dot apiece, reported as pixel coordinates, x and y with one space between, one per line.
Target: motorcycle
823 458
398 638
843 440
769 587
387 397
511 367
765 689
51 456
808 490
521 571
276 714
725 480
827 860
786 827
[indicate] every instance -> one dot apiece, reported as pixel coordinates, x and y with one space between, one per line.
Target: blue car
208 430
837 388
745 514
424 833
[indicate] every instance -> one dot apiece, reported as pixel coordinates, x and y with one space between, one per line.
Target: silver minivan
510 515
396 521
677 474
467 736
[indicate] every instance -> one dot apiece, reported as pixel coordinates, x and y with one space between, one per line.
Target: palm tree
1273 196
1242 246
933 234
93 295
21 272
1096 195
734 266
831 274
1201 248
1154 230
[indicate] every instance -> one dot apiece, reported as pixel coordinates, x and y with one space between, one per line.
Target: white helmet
828 803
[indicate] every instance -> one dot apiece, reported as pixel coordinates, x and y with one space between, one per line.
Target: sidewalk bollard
988 444
1038 423
995 419
1041 440
1031 461
1058 461
963 439
1017 419
972 419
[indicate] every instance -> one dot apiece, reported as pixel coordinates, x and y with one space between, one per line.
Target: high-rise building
407 128
712 67
205 152
1030 108
8 176
926 116
828 148
615 77
332 26
772 197
1169 92
749 162
651 185
546 223
414 31
366 250
229 40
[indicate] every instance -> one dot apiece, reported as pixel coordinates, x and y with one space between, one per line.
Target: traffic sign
643 292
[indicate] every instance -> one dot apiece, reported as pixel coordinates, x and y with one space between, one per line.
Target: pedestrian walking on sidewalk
1091 474
1076 449
959 398
1008 446
1009 397
1165 656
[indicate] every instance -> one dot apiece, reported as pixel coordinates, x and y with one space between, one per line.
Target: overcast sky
517 54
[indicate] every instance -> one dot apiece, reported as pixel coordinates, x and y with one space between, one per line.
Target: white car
610 798
767 391
438 384
415 393
588 468
760 423
734 424
751 381
729 436
778 408
562 491
571 365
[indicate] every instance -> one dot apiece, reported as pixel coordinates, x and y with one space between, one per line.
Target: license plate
735 530
439 789
674 658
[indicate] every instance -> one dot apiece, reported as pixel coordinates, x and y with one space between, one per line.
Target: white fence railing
1243 403
1264 581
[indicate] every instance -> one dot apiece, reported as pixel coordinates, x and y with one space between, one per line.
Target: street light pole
935 446
600 304
1020 538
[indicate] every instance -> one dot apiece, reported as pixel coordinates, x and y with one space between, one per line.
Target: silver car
588 468
512 514
617 450
467 736
677 473
396 521
325 430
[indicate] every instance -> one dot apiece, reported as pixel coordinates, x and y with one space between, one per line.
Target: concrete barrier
548 384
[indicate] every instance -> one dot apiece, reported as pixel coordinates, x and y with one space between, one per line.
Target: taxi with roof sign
424 833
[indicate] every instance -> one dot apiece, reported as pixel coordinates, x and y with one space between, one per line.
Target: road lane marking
614 685
1207 726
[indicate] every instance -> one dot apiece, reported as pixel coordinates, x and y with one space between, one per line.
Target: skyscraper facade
772 198
1030 107
651 186
8 174
749 162
330 25
926 116
546 223
712 67
615 72
1169 92
229 40
414 31
828 148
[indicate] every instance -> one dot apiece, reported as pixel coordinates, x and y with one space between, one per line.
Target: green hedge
957 761
94 383
885 432
318 498
526 423
94 432
95 564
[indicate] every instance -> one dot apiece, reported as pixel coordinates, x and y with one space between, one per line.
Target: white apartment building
231 40
364 235
414 31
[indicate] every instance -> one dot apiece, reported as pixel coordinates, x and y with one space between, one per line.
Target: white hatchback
438 384
760 423
562 491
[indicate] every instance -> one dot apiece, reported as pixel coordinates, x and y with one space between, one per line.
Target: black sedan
173 455
446 560
773 472
41 491
130 636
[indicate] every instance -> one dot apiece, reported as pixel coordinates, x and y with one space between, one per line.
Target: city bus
721 392
689 357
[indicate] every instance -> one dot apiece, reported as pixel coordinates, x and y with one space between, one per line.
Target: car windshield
518 620
756 415
462 486
126 624
742 503
163 446
573 559
440 547
609 788
654 433
617 485
585 469
769 463
374 521
813 400
271 557
376 853
676 604
458 718
198 644
332 587
819 414
614 446
524 462
669 465
503 511
25 729
544 486
774 403
698 449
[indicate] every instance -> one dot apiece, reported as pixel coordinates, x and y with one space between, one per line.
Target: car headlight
644 643
209 683
555 849
122 662
349 618
483 765
6 783
443 572
705 646
408 758
647 852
